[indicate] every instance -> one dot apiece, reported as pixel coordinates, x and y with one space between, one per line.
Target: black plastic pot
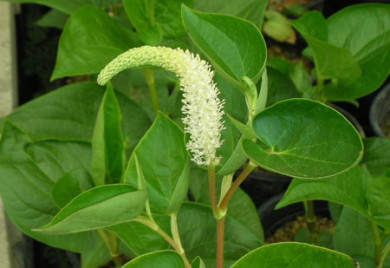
380 112
272 219
262 185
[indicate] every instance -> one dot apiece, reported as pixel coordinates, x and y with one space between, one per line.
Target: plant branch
152 225
385 252
222 207
309 216
176 238
377 242
220 241
110 240
149 77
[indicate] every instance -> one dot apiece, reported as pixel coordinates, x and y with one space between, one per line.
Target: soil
288 231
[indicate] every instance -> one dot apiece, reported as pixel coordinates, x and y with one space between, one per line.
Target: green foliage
84 160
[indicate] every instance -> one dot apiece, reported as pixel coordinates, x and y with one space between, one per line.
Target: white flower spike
202 107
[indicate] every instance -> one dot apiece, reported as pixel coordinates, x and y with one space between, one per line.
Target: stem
149 77
152 225
211 172
250 97
377 242
220 241
261 102
385 252
176 237
309 216
109 238
225 200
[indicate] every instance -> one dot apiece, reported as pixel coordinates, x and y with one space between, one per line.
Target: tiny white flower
201 105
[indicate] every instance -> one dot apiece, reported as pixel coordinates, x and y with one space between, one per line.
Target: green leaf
378 197
197 232
107 164
347 189
98 207
330 61
290 254
97 257
245 130
234 46
164 163
252 10
353 234
140 238
53 18
376 155
304 139
312 24
139 14
369 45
84 50
280 87
25 187
50 116
198 263
70 185
155 21
158 259
66 6
235 106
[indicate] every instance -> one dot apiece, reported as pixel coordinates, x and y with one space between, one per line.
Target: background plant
105 182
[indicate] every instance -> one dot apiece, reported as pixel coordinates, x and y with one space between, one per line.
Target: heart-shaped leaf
304 139
164 164
233 45
98 207
157 259
294 255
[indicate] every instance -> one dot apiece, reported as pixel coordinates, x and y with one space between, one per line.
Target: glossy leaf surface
364 31
378 197
108 157
98 207
83 49
290 254
233 45
304 139
348 189
376 155
157 259
163 163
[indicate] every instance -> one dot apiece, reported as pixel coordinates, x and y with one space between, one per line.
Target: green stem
152 225
149 77
222 207
110 240
310 216
377 243
385 252
220 241
261 102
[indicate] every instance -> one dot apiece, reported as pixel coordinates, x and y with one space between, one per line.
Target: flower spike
201 105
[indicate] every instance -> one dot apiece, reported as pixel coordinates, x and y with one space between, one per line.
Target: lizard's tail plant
202 107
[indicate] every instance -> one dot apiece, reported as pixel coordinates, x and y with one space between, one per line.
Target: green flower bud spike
201 105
